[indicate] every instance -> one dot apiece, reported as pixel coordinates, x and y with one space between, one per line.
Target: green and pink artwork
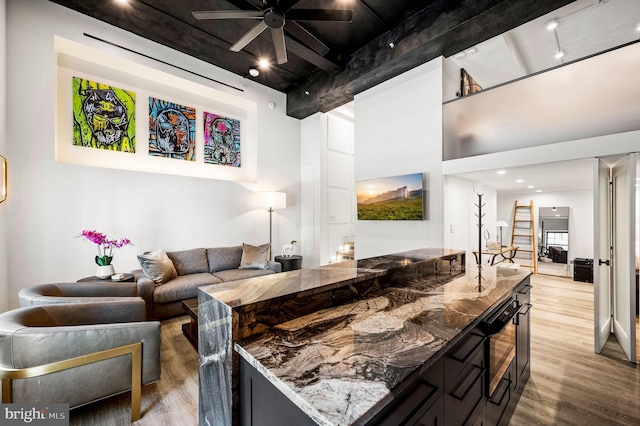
172 130
221 140
103 116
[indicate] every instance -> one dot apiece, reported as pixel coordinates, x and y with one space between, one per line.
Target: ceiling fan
273 17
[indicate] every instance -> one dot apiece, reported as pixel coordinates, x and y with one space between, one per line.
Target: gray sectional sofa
195 268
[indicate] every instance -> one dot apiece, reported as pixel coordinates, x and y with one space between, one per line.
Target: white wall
460 215
4 276
580 205
398 130
50 202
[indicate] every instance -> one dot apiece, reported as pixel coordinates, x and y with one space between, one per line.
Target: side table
289 263
128 278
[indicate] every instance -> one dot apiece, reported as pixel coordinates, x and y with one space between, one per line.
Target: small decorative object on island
287 249
105 251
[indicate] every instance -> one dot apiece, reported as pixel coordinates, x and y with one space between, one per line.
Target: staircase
524 237
347 252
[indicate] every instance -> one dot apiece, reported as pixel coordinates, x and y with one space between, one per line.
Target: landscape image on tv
392 198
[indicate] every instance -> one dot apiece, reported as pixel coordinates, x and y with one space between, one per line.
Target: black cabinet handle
525 309
604 262
504 393
466 357
466 392
525 289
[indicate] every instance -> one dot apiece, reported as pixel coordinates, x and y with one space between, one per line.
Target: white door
601 250
624 277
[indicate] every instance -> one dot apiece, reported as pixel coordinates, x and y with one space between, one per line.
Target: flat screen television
391 198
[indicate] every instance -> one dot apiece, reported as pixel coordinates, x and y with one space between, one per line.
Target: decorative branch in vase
105 248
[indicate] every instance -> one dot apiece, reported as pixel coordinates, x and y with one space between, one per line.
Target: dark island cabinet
452 391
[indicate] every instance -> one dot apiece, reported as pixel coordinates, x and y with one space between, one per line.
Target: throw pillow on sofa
157 266
255 257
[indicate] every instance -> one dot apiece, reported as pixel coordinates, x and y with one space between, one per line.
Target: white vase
105 271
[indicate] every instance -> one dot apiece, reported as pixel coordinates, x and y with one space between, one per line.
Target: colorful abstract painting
103 116
172 130
221 140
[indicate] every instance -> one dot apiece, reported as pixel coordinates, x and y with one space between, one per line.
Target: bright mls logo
34 414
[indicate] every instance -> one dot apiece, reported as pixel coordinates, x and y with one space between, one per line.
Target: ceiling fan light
264 63
552 24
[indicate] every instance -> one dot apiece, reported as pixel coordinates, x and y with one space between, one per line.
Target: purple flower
105 245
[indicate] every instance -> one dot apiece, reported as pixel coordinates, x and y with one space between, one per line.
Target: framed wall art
221 140
172 130
104 116
391 198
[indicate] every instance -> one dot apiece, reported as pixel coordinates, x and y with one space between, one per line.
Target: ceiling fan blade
320 15
278 42
306 37
249 36
229 14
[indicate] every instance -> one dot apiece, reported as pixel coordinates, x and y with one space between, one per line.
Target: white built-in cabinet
328 187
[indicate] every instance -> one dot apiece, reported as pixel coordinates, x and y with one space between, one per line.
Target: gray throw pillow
255 257
157 266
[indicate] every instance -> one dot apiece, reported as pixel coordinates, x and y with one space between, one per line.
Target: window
558 239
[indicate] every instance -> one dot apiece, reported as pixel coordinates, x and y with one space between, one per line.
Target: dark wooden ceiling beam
444 28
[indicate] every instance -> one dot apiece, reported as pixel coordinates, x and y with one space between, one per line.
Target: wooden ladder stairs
524 237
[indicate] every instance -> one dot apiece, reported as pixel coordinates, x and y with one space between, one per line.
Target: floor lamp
501 224
271 201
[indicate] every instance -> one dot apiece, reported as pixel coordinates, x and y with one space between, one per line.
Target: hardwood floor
171 401
569 383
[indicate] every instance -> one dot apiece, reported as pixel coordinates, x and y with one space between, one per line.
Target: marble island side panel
233 311
340 365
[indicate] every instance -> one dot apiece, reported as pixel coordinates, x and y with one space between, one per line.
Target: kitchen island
355 343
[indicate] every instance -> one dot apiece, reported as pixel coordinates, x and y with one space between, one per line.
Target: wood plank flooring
569 383
171 401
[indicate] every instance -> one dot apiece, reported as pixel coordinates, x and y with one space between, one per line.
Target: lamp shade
271 200
502 223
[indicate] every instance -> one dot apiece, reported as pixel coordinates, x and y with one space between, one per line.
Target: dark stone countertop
340 364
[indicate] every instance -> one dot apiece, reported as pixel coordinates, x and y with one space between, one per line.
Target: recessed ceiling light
538 190
460 55
264 63
552 24
392 45
472 50
559 54
530 186
501 172
306 92
519 181
254 72
638 28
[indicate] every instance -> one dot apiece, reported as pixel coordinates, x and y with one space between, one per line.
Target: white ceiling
561 176
586 27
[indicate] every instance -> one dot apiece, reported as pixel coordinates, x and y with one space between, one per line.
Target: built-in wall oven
500 327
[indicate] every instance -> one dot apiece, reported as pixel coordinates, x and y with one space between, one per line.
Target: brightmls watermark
34 414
